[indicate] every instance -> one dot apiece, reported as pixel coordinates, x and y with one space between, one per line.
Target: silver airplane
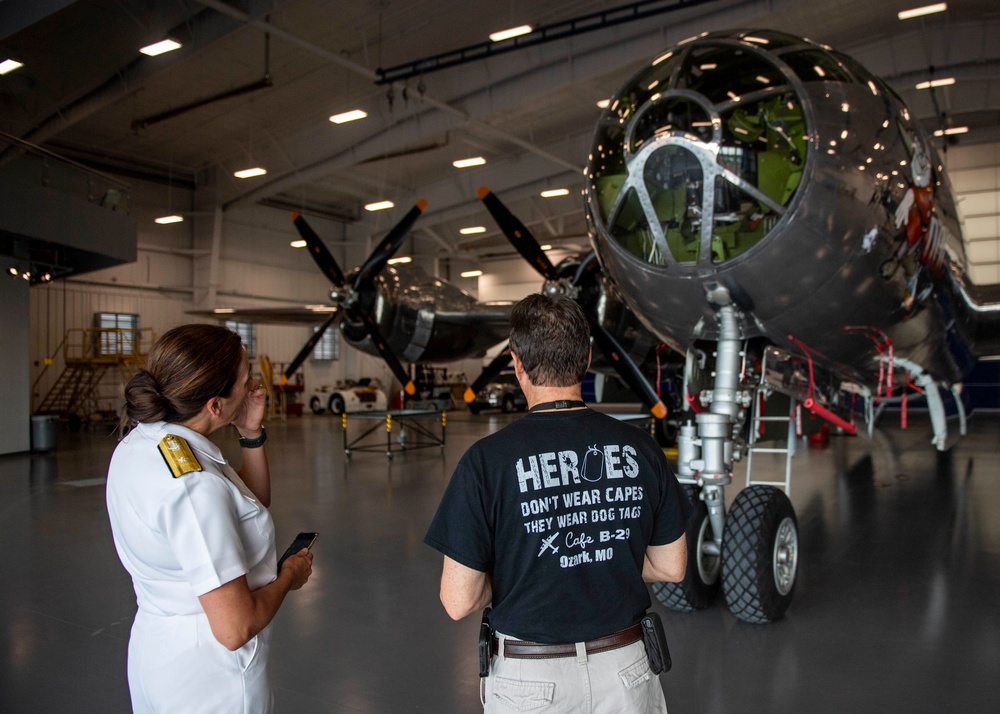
774 209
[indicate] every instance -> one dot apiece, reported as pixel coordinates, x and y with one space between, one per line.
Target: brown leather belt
518 649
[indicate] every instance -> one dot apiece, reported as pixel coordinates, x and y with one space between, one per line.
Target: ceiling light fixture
250 173
379 205
158 48
604 103
9 65
172 218
472 273
224 310
512 32
298 243
952 131
397 261
345 117
472 230
552 193
943 82
547 246
921 11
466 163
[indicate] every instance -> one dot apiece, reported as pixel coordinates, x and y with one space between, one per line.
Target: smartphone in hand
302 540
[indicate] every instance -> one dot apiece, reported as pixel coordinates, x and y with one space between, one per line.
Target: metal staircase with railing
97 364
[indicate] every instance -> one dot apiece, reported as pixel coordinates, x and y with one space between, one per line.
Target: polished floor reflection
897 607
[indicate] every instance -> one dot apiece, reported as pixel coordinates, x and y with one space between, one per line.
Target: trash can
43 432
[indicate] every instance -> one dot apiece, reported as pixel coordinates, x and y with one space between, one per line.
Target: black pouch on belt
485 642
655 641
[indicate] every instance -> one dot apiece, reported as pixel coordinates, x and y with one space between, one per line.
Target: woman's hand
300 567
250 415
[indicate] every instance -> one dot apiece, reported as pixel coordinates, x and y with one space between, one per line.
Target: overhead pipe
202 30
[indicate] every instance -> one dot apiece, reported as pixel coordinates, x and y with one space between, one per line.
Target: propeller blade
304 352
489 373
626 369
584 268
387 355
519 236
318 250
389 245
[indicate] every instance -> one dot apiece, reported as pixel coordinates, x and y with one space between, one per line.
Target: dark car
504 393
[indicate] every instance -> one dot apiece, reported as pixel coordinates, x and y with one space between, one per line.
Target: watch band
254 443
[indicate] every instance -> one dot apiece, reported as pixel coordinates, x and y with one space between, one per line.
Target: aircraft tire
701 582
760 547
316 406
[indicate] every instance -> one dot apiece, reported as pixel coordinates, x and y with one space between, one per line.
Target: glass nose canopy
698 157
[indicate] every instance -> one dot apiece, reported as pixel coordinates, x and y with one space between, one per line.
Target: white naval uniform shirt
180 538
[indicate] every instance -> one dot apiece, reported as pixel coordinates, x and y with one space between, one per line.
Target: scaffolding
98 362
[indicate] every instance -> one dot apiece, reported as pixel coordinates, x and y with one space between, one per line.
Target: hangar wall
975 178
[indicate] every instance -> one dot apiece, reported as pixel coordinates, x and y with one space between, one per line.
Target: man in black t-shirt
558 521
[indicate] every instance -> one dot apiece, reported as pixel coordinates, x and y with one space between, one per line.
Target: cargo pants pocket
522 696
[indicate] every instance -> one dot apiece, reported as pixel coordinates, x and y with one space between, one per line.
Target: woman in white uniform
194 534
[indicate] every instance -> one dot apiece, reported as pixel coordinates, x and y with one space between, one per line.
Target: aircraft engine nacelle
788 175
406 305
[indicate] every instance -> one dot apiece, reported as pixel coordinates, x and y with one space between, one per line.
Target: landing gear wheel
336 404
701 582
760 554
316 406
507 405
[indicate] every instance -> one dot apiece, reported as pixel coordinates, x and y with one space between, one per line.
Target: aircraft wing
301 314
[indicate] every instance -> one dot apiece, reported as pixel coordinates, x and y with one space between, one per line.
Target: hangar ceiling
85 92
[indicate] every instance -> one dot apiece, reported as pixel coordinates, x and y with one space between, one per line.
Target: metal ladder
788 450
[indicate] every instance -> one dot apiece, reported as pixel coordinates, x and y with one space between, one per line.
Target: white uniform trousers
614 682
177 663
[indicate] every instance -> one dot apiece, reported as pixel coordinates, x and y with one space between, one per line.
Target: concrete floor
897 606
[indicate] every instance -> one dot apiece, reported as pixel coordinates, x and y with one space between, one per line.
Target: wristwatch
254 443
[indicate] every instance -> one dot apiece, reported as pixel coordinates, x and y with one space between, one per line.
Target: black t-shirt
559 507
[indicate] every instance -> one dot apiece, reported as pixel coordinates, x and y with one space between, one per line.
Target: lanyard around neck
558 404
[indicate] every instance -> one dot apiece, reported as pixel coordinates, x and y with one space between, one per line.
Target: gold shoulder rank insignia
178 455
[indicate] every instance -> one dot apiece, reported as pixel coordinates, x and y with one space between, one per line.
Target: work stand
414 430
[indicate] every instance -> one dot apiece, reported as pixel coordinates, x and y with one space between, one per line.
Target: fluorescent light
298 243
762 79
921 11
952 131
472 273
158 48
345 117
397 261
466 163
944 82
604 103
547 246
250 173
472 230
321 308
9 65
552 193
758 40
224 310
379 205
164 220
512 32
708 66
